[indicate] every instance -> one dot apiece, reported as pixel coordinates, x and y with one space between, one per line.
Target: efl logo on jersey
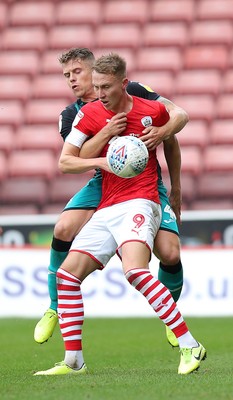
80 114
147 87
60 123
146 121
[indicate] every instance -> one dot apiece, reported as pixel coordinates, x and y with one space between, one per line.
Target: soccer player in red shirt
125 222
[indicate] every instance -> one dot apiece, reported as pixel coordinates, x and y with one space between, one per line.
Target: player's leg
161 301
136 252
77 266
71 313
167 250
76 213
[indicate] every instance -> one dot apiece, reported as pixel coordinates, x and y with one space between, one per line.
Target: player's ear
125 82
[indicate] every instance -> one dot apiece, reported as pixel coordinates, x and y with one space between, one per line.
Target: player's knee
170 256
64 231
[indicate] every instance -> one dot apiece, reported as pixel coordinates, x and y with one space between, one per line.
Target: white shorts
110 227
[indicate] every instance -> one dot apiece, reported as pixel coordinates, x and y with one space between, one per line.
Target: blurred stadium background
181 48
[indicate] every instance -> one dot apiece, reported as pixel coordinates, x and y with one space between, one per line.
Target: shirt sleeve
140 90
66 119
162 116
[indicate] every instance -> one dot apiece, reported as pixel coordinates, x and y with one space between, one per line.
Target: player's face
109 89
78 75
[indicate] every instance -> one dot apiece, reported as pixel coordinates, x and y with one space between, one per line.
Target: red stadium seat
215 186
28 209
191 160
32 13
182 10
17 191
227 82
64 37
165 34
49 63
211 32
198 82
218 158
7 139
201 57
51 87
201 107
188 184
64 187
44 111
81 12
160 82
15 87
24 38
218 204
231 58
195 133
155 58
33 163
224 107
221 131
11 113
38 137
214 10
19 62
118 35
55 208
3 15
125 11
3 166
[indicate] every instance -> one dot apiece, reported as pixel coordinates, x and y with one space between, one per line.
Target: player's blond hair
111 64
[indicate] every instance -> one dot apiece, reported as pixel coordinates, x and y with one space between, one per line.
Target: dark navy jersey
69 113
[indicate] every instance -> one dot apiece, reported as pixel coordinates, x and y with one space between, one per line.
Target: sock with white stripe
71 316
160 299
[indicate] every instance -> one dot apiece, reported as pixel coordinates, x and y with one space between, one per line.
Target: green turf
128 359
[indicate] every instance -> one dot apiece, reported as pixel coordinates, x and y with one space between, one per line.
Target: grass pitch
128 359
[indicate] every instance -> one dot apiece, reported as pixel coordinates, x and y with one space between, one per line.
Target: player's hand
176 202
153 136
102 161
116 125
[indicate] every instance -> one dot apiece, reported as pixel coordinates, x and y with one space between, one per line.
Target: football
127 156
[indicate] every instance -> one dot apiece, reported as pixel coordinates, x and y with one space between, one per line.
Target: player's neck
125 105
89 97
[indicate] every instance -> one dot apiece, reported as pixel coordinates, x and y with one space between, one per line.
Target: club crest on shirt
146 121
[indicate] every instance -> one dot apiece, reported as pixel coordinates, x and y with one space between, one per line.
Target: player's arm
70 161
114 127
173 159
153 136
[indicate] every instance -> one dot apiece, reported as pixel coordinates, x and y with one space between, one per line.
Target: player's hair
111 64
79 53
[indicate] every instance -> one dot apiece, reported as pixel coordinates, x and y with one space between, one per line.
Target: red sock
159 298
70 309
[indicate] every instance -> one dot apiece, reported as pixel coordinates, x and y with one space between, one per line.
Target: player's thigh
70 223
136 224
79 264
135 255
167 247
96 240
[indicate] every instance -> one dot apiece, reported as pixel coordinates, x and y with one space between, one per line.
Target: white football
127 156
